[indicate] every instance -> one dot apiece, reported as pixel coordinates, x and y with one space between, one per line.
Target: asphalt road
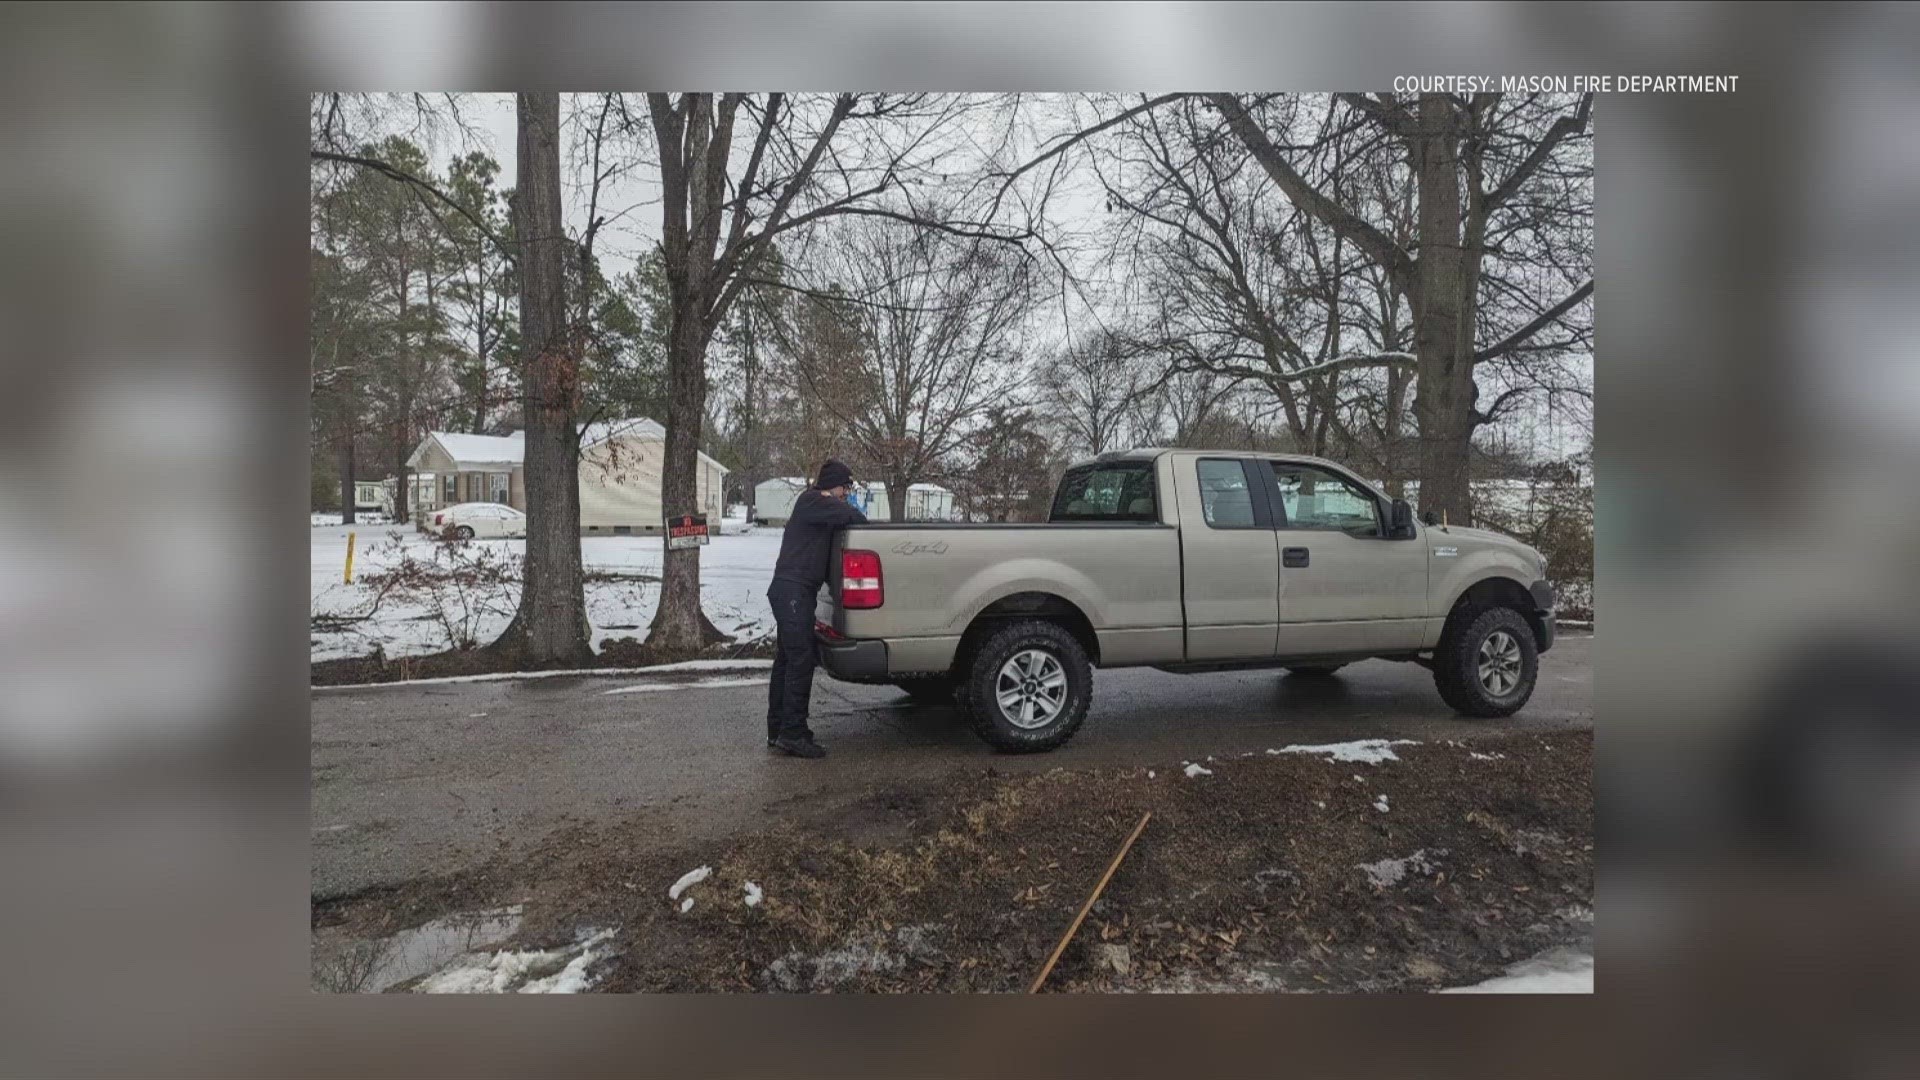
415 781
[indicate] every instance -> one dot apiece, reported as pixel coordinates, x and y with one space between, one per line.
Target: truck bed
937 576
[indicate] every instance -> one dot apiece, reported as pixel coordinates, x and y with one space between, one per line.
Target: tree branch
1539 323
1562 128
1375 243
418 184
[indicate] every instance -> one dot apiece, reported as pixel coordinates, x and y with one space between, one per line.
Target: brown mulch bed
1247 879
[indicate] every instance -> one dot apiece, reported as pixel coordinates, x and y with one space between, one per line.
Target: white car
468 520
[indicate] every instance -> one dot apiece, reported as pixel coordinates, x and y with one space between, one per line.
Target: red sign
687 530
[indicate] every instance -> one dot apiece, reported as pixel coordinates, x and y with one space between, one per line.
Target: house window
450 492
497 484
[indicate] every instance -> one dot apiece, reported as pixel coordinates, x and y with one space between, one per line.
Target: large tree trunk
679 623
551 624
1443 320
897 499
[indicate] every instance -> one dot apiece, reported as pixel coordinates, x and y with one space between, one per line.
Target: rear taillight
439 519
860 585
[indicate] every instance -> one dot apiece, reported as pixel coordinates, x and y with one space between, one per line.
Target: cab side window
1226 500
1316 499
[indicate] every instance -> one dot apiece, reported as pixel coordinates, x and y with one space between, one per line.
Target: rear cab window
1107 491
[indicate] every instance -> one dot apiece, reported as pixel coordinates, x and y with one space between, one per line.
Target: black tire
1456 662
1314 671
929 690
464 532
980 691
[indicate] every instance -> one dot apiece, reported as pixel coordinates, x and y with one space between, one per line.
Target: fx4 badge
1445 552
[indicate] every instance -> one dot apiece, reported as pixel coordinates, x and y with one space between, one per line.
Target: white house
620 468
773 501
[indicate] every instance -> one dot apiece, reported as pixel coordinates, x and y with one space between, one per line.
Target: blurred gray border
1705 215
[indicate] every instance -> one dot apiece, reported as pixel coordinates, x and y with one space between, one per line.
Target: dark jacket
808 539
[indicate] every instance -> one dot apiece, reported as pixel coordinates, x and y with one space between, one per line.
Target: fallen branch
1088 906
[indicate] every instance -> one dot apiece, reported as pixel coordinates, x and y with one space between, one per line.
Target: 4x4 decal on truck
909 547
1445 552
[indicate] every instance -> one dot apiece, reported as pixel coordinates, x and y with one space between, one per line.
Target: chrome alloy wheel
1499 663
1031 689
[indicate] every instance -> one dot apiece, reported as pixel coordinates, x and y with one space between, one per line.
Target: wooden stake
1041 978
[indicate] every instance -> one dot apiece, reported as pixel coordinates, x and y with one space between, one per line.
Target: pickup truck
1186 561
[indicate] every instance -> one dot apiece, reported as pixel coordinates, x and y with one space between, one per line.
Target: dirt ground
1274 872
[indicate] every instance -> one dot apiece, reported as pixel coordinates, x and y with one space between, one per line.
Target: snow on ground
1370 751
696 684
1556 971
688 880
1389 872
734 572
547 971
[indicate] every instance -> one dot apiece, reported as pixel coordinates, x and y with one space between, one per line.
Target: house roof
509 451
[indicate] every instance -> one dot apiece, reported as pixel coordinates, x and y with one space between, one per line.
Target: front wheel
1487 662
1028 687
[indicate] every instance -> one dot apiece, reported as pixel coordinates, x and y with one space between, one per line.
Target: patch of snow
686 905
1368 751
1380 803
1149 774
694 684
540 971
1557 971
475 715
1388 872
618 672
753 895
1194 770
797 972
688 880
1478 756
734 571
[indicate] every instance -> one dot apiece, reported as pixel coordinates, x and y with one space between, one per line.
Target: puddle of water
373 966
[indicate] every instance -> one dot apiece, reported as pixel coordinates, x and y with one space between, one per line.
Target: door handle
1293 556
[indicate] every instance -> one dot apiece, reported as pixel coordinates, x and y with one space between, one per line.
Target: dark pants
789 692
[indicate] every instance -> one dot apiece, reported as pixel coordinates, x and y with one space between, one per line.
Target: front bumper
853 661
1542 620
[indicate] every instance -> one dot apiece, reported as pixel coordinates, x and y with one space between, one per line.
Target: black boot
800 747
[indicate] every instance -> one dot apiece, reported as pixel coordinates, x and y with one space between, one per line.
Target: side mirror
1400 520
1430 518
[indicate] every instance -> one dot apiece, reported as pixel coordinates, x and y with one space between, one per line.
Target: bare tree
935 318
1093 391
1476 163
806 158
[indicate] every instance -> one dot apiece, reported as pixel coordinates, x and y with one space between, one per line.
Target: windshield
1107 491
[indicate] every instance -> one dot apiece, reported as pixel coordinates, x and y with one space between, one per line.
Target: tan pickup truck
1186 561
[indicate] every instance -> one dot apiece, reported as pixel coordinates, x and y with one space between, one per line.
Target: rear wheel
464 532
1315 671
1028 687
1487 662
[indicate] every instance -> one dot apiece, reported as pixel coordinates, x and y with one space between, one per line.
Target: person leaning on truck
805 547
